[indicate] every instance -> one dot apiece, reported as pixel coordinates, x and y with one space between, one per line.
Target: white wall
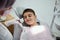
43 8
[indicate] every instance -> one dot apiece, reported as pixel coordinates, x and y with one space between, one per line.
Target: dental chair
17 28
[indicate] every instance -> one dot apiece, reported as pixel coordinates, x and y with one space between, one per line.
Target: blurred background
43 8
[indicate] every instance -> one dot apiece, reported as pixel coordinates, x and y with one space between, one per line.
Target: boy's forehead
29 12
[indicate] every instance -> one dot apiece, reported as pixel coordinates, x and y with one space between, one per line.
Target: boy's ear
35 16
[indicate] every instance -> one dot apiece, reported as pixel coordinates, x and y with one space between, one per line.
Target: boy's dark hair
6 3
9 3
28 10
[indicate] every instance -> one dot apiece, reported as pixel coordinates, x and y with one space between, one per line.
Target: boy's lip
28 20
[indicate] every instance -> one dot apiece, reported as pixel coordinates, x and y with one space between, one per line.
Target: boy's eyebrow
28 14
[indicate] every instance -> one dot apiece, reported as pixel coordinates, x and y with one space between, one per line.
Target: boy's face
29 18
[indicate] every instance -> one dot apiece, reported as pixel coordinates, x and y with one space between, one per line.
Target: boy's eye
29 15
